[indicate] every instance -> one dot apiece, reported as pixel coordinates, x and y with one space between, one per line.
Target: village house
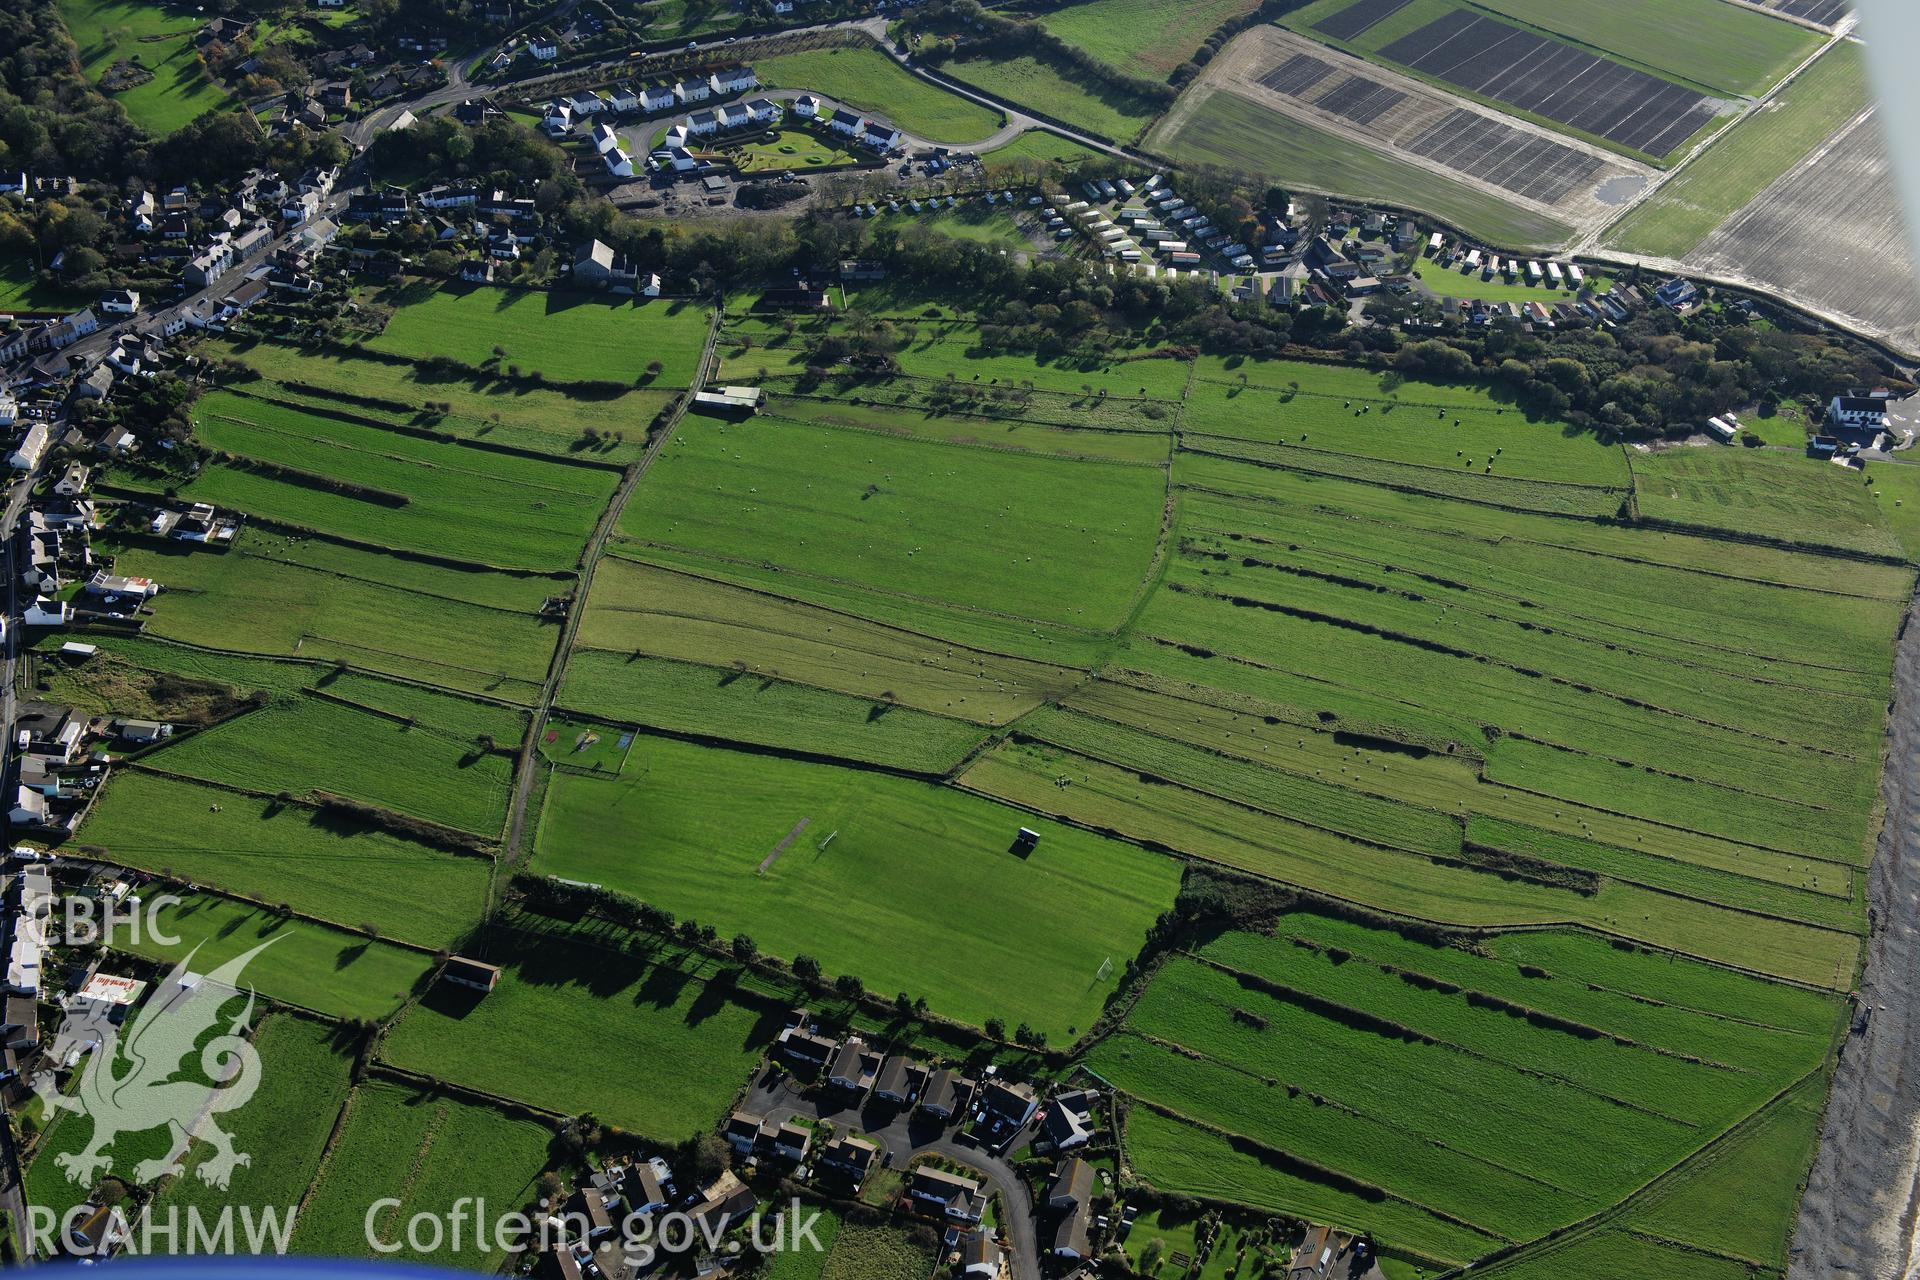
1860 417
845 123
1070 1197
475 975
980 1257
733 80
805 1046
898 1080
692 91
854 1067
1007 1104
946 1095
956 1197
1067 1120
743 1131
656 98
806 106
848 1156
792 1141
597 266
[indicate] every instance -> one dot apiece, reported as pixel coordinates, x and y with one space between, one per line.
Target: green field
429 1151
472 630
1453 282
1699 197
868 80
21 290
333 868
564 337
685 1044
350 480
1221 128
333 973
1061 92
1772 495
1057 541
909 874
972 221
1037 146
283 1129
1145 38
1353 1059
109 32
875 1253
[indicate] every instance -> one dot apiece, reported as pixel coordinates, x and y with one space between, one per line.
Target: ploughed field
1536 772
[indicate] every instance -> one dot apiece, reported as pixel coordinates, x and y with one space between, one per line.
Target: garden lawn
890 879
338 974
111 31
790 149
869 80
21 290
1052 540
683 1042
430 1152
333 868
1144 38
283 1128
566 337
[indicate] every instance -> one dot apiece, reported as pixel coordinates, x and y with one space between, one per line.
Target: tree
806 968
744 948
850 986
995 1029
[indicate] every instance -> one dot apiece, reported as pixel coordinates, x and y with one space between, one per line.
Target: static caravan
1553 273
1534 273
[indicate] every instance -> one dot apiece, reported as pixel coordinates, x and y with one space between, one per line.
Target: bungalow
743 1131
849 1156
142 733
806 106
657 97
1071 1196
476 975
798 297
120 302
957 1197
845 122
50 730
733 80
692 91
43 612
111 587
946 1094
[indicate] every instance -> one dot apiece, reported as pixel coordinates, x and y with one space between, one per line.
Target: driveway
904 1134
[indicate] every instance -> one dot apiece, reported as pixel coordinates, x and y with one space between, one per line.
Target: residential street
904 1134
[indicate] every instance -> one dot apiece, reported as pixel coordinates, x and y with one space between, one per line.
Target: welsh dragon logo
142 1082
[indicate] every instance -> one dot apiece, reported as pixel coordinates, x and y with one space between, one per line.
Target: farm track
512 846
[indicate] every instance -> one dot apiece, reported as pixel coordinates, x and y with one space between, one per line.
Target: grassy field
21 290
429 1151
329 867
472 630
1058 91
608 427
1145 38
876 1253
109 32
1359 1054
1453 282
1224 129
283 1129
564 337
1771 494
1056 541
685 1044
337 974
1036 146
910 875
869 80
372 485
977 222
1698 198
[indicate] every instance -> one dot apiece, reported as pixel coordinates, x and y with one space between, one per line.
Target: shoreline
1858 1213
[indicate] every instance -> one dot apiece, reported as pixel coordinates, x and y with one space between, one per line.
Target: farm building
730 402
474 974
